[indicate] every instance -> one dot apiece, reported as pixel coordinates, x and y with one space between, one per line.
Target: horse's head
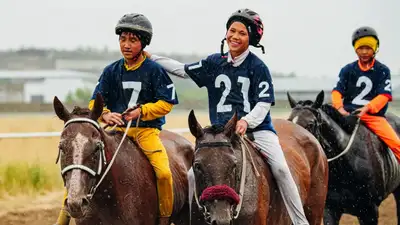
306 113
81 153
214 166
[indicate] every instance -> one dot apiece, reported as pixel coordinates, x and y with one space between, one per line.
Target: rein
319 135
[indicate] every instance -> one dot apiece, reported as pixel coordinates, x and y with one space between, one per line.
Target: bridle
202 208
102 156
318 133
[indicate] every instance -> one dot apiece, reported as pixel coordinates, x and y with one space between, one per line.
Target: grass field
29 177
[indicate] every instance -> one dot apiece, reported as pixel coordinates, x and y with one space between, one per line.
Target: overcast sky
309 37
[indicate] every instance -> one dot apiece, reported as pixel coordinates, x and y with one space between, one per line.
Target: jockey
365 85
133 81
239 81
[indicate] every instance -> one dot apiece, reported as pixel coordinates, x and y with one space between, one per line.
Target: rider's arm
384 93
339 89
165 95
171 66
199 71
102 87
264 96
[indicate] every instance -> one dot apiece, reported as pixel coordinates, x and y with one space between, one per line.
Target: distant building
40 86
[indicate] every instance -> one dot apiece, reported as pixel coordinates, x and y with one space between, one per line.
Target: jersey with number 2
360 87
123 88
233 89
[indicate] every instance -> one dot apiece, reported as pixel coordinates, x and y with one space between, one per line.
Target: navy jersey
359 87
233 89
147 84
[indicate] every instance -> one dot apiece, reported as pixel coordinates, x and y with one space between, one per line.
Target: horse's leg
332 216
396 194
369 215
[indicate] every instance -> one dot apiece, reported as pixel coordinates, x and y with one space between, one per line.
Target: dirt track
46 213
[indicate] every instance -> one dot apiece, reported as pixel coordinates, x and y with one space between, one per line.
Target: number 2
359 99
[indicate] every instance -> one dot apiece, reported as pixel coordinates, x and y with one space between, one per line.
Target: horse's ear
97 109
292 102
230 127
319 100
194 126
60 110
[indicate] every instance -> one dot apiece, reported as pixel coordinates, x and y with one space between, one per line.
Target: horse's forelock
214 129
78 111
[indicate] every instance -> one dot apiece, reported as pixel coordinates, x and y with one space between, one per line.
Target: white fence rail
57 134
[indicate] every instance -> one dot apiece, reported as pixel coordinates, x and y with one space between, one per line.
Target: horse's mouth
221 213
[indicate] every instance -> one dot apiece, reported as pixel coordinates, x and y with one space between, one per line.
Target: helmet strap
222 46
260 46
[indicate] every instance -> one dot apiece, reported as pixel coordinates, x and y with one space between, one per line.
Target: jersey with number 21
233 89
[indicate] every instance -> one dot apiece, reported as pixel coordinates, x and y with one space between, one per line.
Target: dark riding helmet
364 32
253 23
137 24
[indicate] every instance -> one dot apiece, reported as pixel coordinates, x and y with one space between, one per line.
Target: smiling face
237 38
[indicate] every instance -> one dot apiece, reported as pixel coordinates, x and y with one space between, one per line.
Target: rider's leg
150 143
63 217
381 127
270 147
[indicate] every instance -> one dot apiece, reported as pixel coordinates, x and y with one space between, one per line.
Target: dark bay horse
234 185
127 195
365 173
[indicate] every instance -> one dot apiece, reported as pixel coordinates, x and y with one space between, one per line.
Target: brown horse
218 166
127 195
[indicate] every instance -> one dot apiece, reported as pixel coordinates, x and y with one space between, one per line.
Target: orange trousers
381 127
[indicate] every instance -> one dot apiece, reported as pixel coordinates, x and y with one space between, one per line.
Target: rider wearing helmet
365 86
250 94
135 81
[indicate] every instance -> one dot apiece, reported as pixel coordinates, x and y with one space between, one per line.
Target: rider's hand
132 115
113 118
343 112
362 111
147 54
241 127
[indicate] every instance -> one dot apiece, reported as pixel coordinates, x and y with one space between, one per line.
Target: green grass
30 179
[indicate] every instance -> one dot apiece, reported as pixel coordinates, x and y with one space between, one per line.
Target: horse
126 193
362 170
227 191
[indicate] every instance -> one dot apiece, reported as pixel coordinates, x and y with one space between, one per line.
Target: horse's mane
346 123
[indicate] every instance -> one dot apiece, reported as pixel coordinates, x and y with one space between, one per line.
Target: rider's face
237 38
365 54
130 45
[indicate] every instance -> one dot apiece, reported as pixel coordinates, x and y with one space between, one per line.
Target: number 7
173 90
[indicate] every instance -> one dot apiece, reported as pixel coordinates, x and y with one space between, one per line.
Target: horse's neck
333 133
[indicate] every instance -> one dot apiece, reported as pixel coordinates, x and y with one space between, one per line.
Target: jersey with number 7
233 89
360 87
149 83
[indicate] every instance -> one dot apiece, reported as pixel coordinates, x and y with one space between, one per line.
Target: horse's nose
77 206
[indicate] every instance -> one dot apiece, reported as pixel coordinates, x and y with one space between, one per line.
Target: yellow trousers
151 145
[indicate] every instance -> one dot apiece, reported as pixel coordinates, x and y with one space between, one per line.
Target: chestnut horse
127 195
233 184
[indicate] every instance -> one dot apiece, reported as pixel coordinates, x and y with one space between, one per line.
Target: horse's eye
197 166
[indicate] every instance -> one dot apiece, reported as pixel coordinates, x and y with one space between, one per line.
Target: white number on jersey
136 86
359 99
245 82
